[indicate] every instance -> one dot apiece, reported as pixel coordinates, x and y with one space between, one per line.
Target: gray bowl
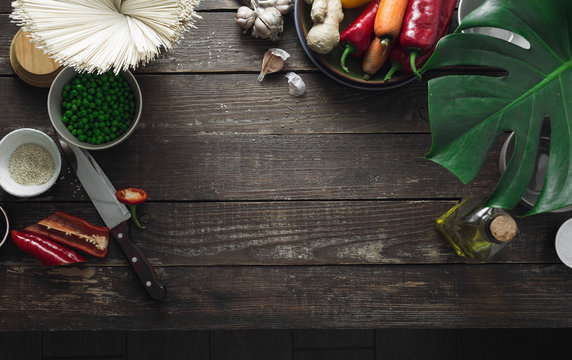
55 109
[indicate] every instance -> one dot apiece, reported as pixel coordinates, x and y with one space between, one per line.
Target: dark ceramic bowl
329 63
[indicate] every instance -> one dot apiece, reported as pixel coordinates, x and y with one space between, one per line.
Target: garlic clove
272 62
296 86
269 24
284 6
245 17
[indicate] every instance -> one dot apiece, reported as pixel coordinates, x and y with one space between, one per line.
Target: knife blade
114 214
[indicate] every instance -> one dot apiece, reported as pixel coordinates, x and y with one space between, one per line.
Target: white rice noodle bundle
99 35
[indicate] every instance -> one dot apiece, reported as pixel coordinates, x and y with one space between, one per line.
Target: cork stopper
503 228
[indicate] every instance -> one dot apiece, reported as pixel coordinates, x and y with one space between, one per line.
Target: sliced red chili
131 196
73 232
48 252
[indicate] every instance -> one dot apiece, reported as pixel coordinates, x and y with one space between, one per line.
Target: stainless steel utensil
115 215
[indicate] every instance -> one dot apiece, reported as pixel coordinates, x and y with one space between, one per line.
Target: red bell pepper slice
47 251
132 197
73 232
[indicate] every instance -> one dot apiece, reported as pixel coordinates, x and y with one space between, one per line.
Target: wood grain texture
291 233
80 344
265 167
216 45
334 354
251 345
271 212
475 344
332 339
422 344
228 104
172 345
405 296
23 345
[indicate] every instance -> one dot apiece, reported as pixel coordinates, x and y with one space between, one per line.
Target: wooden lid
503 228
31 64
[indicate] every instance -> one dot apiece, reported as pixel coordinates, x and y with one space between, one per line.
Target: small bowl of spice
94 111
30 162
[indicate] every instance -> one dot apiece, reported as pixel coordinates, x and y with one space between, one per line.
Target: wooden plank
172 345
334 354
21 345
238 104
78 344
250 344
361 297
419 344
262 167
555 343
292 233
217 44
204 5
332 339
499 344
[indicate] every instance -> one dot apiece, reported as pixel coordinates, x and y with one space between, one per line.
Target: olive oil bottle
476 231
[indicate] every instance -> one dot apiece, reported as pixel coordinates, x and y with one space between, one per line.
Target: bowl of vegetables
94 111
370 45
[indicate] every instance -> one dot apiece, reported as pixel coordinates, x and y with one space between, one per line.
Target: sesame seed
31 164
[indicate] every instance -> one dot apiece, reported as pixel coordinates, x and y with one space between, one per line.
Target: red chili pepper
420 28
47 251
356 38
73 232
401 59
132 197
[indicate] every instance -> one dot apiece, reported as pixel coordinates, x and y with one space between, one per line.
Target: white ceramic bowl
55 109
11 142
4 226
467 6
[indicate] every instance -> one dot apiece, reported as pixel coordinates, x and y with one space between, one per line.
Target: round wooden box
31 64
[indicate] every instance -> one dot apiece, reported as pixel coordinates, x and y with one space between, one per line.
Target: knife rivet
148 283
120 235
134 259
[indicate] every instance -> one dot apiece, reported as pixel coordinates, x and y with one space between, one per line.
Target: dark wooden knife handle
139 263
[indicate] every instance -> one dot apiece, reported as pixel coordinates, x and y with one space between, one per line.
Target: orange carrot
374 57
389 19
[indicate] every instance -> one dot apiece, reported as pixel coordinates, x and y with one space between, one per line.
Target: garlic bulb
273 61
269 23
296 86
245 17
284 6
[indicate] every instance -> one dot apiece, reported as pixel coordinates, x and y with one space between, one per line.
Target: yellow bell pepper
350 4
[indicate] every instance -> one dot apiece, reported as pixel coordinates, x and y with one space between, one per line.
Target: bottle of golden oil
475 231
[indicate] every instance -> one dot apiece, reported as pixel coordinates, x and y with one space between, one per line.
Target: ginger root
327 16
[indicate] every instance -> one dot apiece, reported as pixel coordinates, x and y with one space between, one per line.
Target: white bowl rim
7 226
40 189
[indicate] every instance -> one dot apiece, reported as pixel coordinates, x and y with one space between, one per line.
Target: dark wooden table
270 211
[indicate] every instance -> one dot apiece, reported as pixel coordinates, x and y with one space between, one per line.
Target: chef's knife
115 215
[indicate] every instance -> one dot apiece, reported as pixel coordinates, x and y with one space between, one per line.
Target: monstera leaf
468 113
